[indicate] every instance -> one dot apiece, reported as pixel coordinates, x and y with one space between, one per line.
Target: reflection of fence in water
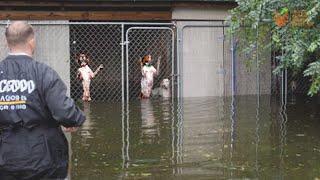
87 126
150 130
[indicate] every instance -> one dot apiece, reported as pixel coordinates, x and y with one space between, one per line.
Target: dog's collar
148 65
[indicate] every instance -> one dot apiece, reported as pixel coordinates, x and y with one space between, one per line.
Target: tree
291 27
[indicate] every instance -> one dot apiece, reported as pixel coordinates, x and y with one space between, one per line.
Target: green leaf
284 10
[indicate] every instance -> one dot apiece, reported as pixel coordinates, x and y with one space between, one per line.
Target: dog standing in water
148 73
164 89
86 74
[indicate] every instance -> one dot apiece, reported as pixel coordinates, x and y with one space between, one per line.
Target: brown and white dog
148 73
86 74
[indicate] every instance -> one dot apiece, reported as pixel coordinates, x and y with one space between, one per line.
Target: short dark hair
18 33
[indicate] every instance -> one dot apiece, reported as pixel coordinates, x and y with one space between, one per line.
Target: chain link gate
101 43
159 43
61 42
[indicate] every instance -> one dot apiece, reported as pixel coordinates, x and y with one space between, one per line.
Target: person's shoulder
2 64
5 60
2 61
42 65
43 68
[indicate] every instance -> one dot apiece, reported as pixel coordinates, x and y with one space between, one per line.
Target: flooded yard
199 138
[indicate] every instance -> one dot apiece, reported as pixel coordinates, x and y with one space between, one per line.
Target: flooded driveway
199 138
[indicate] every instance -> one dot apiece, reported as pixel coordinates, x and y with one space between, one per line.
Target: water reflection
203 137
257 140
87 125
241 137
232 131
150 130
233 122
177 140
283 139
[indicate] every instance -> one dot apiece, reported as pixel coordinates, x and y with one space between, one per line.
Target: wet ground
199 138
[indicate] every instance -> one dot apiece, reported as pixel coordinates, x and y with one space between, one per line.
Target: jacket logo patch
7 86
15 102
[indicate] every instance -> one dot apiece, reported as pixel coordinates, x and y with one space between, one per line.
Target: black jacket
33 105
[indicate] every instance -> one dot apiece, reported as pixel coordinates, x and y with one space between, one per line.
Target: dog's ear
88 59
140 60
77 58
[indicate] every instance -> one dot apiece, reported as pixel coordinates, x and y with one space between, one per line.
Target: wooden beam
86 4
86 15
220 5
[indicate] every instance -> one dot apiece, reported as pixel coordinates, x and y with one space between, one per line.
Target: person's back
33 105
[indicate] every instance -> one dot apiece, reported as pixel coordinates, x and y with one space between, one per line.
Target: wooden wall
85 15
99 10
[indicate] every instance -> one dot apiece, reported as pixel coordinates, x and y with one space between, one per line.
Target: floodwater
245 137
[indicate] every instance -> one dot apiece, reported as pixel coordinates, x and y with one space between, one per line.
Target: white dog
163 90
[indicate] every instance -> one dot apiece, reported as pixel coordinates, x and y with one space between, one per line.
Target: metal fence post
233 66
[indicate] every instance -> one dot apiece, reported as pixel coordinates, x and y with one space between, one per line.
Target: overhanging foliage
291 27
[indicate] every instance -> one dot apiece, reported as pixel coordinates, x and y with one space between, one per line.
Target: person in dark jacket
33 107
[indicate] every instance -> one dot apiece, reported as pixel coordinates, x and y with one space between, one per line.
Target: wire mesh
275 78
293 82
297 83
157 43
102 44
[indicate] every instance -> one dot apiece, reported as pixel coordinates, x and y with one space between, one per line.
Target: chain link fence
288 82
102 44
119 46
158 42
297 83
275 78
59 44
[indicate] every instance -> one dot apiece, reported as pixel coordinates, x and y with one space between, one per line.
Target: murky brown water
199 138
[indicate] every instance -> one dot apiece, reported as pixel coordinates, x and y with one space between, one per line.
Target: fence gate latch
124 43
